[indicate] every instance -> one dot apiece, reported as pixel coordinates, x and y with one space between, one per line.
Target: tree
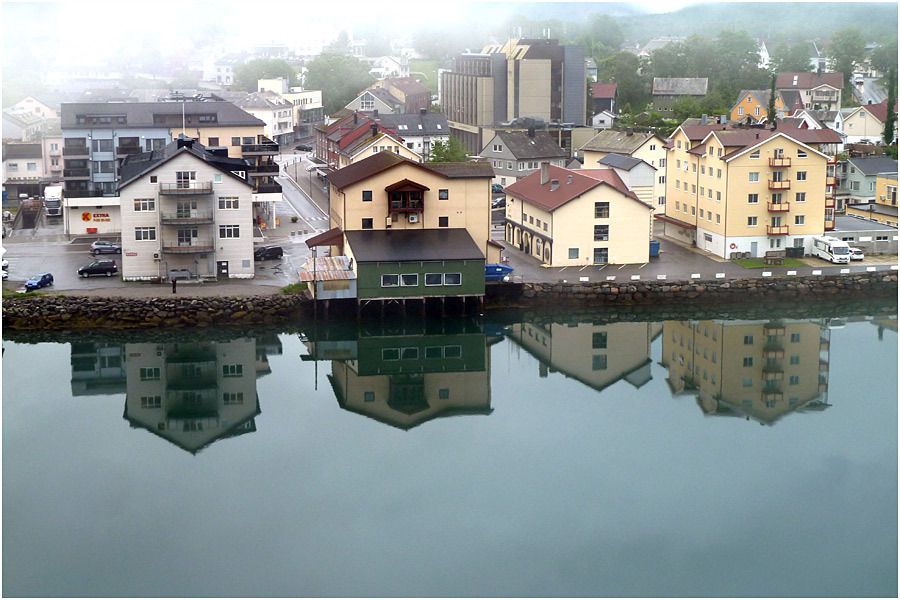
884 57
623 69
790 58
247 74
341 79
770 112
451 151
891 120
846 51
605 30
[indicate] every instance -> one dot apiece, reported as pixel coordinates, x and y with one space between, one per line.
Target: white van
831 249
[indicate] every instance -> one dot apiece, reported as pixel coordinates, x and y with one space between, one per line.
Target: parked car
496 188
495 272
856 254
175 274
39 281
268 253
99 267
303 147
104 247
499 202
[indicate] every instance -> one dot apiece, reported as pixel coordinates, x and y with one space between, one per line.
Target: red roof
808 81
603 90
572 184
879 111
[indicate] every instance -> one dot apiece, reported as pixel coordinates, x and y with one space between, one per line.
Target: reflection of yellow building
755 369
193 393
406 380
595 355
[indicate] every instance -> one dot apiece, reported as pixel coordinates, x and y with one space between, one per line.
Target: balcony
773 351
829 201
407 207
779 161
268 188
779 206
259 149
773 373
53 152
774 329
122 151
192 188
261 170
82 173
830 180
56 167
75 193
777 230
186 218
73 151
174 247
784 184
772 396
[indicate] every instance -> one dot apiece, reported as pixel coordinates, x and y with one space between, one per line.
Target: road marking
584 279
601 268
870 269
844 271
635 277
563 269
642 266
893 267
584 267
792 272
622 267
661 277
817 271
767 273
695 275
610 277
720 275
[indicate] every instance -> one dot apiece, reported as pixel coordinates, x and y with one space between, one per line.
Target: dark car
499 202
39 281
99 267
103 247
496 188
303 147
268 253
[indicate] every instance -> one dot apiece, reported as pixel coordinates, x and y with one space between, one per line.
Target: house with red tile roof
603 97
818 91
566 217
866 123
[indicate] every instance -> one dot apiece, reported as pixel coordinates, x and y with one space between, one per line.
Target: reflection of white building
597 355
192 393
98 368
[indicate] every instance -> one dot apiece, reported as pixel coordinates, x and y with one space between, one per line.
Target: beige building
276 112
884 209
389 191
760 370
865 123
647 147
748 190
186 212
377 141
567 217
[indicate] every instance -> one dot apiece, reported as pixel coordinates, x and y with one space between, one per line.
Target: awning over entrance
332 237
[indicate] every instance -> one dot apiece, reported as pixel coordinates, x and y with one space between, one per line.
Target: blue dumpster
654 248
496 272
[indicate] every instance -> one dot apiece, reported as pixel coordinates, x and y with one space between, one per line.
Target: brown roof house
666 90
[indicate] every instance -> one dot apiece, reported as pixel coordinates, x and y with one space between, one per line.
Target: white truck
53 200
831 249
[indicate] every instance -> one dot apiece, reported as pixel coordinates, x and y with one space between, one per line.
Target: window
702 167
598 362
718 219
795 359
747 382
677 205
235 141
247 140
498 147
144 204
144 234
718 196
183 179
149 373
443 221
754 176
151 401
881 238
693 189
102 145
800 196
702 191
601 210
153 179
601 233
719 173
236 370
217 178
452 278
154 144
801 153
753 198
213 141
232 398
12 167
677 164
693 167
748 361
509 165
433 279
795 338
748 340
662 179
443 194
756 112
662 162
794 380
601 256
409 280
740 111
367 223
801 175
751 221
367 196
754 154
390 280
693 210
573 253
679 144
652 146
101 166
228 203
229 231
33 166
799 220
452 351
701 213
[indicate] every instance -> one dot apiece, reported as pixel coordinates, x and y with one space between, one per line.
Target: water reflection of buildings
188 393
597 355
760 370
404 379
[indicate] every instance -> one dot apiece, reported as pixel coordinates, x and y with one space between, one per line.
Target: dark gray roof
358 171
878 209
429 122
619 161
385 96
873 165
412 244
140 114
263 100
21 151
854 223
136 165
680 86
620 142
522 146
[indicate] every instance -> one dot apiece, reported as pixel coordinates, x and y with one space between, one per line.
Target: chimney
355 118
375 113
569 179
554 185
531 132
374 129
723 119
423 111
757 136
703 119
545 172
629 131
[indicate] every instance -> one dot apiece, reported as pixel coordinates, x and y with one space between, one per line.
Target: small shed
329 277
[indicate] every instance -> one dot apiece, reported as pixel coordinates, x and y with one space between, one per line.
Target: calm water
705 457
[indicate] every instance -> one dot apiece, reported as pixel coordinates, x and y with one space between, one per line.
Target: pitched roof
620 142
619 161
385 96
807 80
140 114
603 90
524 146
359 171
137 165
873 165
407 85
384 245
879 111
22 151
680 86
571 185
263 100
430 123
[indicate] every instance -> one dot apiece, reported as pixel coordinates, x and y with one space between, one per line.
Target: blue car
39 281
497 272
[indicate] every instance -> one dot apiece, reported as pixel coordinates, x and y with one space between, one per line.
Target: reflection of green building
193 394
403 379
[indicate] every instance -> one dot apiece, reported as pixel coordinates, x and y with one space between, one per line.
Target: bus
53 200
831 249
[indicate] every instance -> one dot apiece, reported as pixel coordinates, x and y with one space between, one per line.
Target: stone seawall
58 313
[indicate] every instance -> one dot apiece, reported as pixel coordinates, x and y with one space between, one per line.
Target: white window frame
448 283
229 203
229 232
144 204
145 234
390 285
